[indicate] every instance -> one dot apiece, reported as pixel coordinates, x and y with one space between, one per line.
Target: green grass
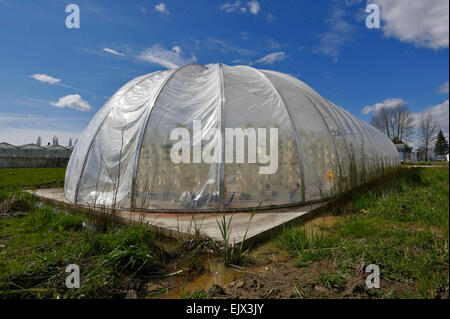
430 163
197 294
38 241
37 247
31 177
417 195
401 225
331 281
306 247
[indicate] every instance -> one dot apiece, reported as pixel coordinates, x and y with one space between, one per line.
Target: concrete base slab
175 225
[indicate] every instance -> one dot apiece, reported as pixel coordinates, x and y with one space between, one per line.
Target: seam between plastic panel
77 188
221 168
341 129
302 171
144 129
339 113
328 128
349 122
306 94
362 134
340 121
372 139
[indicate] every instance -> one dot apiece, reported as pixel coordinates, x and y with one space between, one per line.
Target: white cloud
423 23
230 7
223 46
272 57
162 8
176 49
440 113
29 101
352 2
443 89
142 9
166 58
254 7
113 51
389 104
74 101
45 78
238 61
340 33
272 44
270 17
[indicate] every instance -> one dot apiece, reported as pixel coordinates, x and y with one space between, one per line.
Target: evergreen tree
441 145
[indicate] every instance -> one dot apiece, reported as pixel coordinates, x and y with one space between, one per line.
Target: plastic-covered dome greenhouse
123 157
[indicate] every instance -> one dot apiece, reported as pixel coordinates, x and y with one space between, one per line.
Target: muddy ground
277 278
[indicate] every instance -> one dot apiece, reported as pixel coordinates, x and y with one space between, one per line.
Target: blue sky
53 79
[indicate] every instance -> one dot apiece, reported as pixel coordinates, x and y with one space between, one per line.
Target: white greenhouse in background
123 159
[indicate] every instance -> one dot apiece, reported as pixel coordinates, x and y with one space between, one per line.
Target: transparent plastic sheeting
123 157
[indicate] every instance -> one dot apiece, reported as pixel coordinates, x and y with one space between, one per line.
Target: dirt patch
285 281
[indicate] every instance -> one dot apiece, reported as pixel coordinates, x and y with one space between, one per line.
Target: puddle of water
217 273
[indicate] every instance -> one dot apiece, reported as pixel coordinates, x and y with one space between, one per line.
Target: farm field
31 178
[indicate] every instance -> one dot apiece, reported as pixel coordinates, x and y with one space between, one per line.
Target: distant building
422 154
404 152
33 156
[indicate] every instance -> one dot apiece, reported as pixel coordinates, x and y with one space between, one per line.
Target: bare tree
39 141
396 122
382 119
377 122
55 140
70 142
426 130
402 123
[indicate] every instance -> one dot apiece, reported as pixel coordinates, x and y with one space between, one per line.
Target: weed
197 294
235 254
12 202
332 281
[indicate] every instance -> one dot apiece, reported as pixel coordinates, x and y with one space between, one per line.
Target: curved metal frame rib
221 172
341 132
302 167
327 126
340 121
96 132
144 129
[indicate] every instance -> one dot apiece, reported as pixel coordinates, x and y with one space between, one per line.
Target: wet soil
270 274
